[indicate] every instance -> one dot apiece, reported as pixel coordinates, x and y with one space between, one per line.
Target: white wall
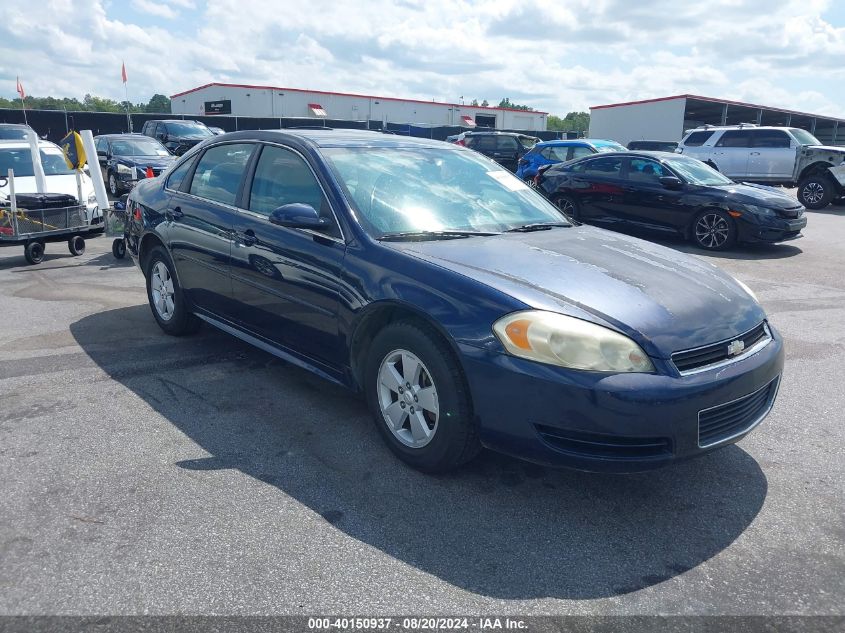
266 102
657 120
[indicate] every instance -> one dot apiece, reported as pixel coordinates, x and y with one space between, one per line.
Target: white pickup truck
786 156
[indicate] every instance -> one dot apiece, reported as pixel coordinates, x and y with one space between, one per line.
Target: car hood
827 148
143 161
760 195
667 301
65 183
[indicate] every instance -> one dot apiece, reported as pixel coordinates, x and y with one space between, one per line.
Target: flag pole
23 107
126 95
22 93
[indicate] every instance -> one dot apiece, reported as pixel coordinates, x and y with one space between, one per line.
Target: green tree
485 104
474 103
572 122
158 104
507 103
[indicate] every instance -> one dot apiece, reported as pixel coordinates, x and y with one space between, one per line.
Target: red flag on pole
123 71
19 88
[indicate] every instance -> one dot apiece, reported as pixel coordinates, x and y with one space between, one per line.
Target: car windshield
409 189
187 129
12 134
20 159
610 147
138 147
804 137
697 173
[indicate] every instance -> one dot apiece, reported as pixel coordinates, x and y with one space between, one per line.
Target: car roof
338 138
119 134
19 144
18 125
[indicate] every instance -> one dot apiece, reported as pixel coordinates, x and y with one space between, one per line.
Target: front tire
166 298
114 188
419 398
567 205
714 230
815 192
34 252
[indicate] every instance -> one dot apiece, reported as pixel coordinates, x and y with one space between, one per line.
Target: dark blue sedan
465 308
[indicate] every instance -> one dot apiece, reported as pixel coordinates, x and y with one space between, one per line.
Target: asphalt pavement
144 474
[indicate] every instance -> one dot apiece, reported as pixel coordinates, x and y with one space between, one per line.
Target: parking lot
147 474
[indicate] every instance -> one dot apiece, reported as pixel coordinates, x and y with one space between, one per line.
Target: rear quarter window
697 139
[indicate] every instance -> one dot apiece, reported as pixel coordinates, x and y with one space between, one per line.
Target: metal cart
115 222
51 218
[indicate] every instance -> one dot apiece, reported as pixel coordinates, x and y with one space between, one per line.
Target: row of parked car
712 188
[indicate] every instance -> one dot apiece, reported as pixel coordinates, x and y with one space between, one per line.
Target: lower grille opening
601 446
731 419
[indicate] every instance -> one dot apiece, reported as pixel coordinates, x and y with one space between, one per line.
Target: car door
597 185
285 280
772 155
731 153
199 225
507 152
646 202
579 151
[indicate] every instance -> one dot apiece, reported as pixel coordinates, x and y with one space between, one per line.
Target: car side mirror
670 182
298 216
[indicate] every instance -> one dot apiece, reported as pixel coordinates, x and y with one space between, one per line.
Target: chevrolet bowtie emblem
735 347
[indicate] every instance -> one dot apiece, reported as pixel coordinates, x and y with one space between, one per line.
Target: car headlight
747 289
123 169
557 339
753 208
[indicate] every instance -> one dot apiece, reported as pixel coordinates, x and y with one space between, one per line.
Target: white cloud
552 56
154 8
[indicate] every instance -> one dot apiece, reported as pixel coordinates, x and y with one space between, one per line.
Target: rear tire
567 205
816 191
34 252
76 245
430 426
167 301
714 230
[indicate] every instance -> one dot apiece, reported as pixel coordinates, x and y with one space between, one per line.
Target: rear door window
560 153
735 138
608 167
219 172
484 143
506 144
580 151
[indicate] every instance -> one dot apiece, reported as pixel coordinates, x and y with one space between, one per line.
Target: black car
506 148
127 158
177 135
653 146
673 194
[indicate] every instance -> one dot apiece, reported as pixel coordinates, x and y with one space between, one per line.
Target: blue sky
557 57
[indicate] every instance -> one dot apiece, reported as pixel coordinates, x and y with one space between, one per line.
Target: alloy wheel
407 398
712 230
813 192
112 185
161 285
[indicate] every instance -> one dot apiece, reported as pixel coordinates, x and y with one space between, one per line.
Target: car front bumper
616 422
771 230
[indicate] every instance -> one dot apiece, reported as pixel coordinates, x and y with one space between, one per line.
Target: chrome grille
709 356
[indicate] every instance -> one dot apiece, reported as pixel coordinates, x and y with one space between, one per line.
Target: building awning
317 109
468 120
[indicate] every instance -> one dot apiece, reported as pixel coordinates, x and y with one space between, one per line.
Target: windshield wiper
431 235
537 226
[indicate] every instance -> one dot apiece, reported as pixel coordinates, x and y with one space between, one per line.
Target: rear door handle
173 214
754 154
248 238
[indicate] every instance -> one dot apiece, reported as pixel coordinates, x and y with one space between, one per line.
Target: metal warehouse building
270 101
667 118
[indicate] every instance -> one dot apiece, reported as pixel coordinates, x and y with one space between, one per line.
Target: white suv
775 155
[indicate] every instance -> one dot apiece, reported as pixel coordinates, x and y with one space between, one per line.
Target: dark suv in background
506 148
126 158
177 135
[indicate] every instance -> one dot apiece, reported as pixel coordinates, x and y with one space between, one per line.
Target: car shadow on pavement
497 527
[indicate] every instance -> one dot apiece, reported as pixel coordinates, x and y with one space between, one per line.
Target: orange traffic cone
150 173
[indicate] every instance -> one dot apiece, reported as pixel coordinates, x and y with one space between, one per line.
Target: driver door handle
173 214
